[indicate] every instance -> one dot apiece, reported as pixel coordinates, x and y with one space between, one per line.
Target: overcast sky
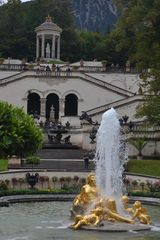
21 1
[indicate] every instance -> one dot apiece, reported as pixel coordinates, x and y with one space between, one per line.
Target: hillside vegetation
18 38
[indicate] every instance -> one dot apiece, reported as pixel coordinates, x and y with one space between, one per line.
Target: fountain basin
51 220
118 227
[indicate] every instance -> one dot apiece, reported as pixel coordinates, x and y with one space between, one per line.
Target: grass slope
146 167
3 164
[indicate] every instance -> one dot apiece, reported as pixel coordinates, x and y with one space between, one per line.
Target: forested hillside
18 21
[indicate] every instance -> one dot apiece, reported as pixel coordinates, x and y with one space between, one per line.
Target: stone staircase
72 165
53 153
59 160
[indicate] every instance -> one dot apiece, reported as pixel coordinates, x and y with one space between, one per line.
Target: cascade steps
59 160
52 153
59 165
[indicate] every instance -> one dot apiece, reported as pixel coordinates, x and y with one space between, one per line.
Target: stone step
58 164
61 153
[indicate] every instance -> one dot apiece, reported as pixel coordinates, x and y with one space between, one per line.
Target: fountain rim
65 197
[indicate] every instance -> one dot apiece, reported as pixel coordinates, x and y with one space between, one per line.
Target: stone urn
32 179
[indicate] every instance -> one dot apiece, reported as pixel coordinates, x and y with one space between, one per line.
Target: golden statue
102 209
99 214
93 219
110 211
87 196
141 213
125 200
48 18
112 216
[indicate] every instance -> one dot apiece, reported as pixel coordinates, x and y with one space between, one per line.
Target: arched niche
71 105
52 99
33 104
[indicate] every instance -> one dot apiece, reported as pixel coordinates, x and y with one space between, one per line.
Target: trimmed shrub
54 180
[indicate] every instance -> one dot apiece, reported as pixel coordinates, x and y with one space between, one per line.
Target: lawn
3 165
147 167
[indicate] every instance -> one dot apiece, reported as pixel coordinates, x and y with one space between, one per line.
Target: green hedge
144 194
10 192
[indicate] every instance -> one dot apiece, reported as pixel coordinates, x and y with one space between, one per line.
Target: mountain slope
95 15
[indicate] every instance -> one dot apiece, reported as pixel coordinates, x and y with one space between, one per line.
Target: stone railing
42 74
17 67
115 104
144 131
13 67
109 86
12 78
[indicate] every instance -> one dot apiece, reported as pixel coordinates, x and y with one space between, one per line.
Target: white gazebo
48 40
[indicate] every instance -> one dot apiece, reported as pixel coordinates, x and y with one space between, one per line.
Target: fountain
51 220
101 205
109 156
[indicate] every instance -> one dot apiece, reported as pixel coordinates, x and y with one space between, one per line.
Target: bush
144 194
14 181
7 182
156 186
34 160
142 185
134 183
54 180
75 178
3 185
21 181
62 180
1 60
68 180
11 192
20 136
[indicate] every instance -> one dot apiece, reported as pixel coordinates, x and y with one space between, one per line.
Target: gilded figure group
91 209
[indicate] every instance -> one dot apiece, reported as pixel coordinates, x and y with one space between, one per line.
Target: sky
21 1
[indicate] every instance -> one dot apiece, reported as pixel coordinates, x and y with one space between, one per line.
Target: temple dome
48 25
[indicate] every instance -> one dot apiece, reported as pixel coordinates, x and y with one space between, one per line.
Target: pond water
50 220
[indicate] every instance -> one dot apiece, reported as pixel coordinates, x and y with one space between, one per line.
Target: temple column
43 109
37 47
53 47
61 107
58 48
42 47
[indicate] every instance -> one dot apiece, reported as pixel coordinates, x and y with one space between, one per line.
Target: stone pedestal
14 162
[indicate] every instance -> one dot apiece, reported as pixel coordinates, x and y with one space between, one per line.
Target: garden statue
48 51
141 213
93 219
86 197
125 204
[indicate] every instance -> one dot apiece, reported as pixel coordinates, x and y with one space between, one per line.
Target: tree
18 21
18 39
19 134
151 106
138 33
139 144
